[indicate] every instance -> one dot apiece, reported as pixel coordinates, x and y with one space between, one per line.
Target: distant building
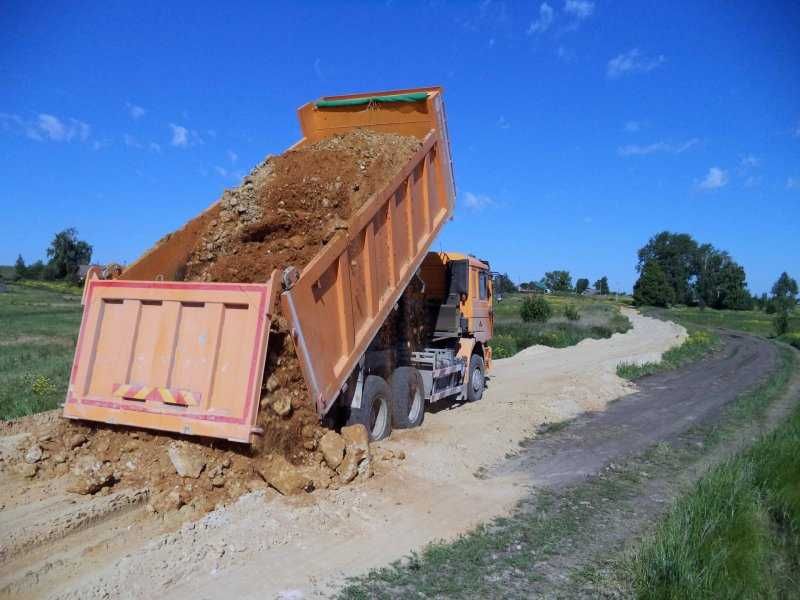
534 287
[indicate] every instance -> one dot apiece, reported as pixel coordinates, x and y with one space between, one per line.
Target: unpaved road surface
665 406
263 546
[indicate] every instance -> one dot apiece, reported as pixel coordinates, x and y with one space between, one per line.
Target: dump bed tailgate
175 356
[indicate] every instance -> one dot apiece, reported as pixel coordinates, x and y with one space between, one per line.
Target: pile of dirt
284 212
293 204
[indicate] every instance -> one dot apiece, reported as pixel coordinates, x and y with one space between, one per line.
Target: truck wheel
408 398
475 382
376 408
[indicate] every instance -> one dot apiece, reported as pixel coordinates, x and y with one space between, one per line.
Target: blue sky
579 128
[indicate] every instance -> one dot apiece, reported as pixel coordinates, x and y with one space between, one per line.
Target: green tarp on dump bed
412 97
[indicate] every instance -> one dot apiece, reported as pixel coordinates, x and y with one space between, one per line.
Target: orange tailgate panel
176 356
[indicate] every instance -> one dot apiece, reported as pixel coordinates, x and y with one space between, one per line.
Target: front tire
408 398
476 381
375 412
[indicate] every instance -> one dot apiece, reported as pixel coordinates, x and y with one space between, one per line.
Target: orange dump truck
189 357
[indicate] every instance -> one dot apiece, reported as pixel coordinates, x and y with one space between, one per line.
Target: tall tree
581 285
784 291
653 288
503 284
601 285
558 281
66 254
676 254
720 281
19 267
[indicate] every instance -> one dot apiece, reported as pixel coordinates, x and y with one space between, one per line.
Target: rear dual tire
375 412
408 398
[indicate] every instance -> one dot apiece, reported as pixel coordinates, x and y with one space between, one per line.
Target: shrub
781 322
503 346
535 308
571 312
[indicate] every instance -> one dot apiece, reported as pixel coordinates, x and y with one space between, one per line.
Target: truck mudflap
186 357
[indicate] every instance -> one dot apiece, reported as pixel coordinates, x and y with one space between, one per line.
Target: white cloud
797 130
180 135
714 179
666 147
100 144
46 127
135 111
502 123
580 9
477 201
633 126
62 131
154 147
233 156
542 24
793 183
632 61
221 171
183 137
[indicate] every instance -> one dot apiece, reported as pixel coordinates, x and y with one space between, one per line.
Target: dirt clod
187 462
284 477
33 455
332 447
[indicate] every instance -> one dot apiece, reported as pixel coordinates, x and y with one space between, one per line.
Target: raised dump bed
189 357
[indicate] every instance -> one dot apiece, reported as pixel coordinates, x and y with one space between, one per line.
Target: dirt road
665 406
55 545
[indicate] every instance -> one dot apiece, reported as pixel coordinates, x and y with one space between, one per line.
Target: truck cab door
481 321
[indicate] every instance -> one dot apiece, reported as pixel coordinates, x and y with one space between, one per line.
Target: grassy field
599 318
750 321
38 330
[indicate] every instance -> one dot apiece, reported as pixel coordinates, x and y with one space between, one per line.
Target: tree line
675 269
65 255
557 281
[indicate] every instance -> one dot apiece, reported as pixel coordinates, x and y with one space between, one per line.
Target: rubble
186 462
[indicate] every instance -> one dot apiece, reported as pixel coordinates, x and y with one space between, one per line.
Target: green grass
598 318
53 286
750 321
791 338
697 345
736 534
38 331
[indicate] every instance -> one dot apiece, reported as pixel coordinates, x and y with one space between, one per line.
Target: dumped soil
285 211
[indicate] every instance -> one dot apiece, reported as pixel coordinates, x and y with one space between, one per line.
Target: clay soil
285 211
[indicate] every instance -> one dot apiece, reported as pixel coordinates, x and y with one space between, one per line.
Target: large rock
357 458
349 467
356 435
187 461
34 454
282 403
75 440
10 445
89 475
285 477
332 447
